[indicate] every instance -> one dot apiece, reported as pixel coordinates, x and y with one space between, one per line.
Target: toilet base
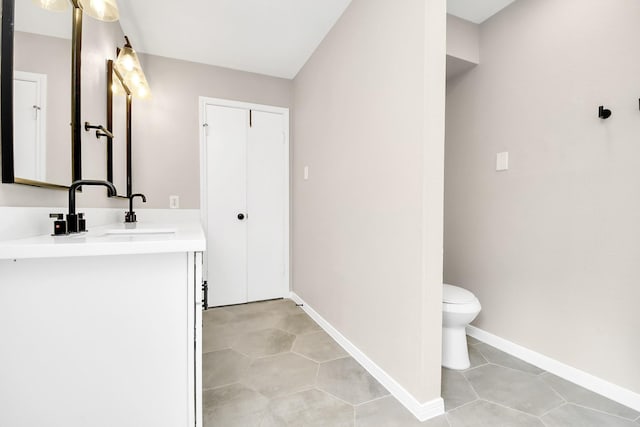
455 354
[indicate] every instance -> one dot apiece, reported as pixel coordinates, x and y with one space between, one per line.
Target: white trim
192 375
203 174
590 382
242 105
203 102
197 326
422 411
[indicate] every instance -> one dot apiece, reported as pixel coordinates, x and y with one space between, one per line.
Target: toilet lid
456 295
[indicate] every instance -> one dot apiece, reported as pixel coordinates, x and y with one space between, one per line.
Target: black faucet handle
60 225
130 217
82 223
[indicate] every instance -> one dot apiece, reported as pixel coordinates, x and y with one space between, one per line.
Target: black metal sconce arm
101 130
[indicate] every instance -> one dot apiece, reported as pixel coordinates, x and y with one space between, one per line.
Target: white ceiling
476 11
272 37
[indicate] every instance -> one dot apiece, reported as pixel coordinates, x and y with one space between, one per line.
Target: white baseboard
422 411
576 376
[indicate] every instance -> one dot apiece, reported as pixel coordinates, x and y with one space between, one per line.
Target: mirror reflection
42 81
119 144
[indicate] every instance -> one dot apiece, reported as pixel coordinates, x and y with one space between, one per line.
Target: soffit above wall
476 11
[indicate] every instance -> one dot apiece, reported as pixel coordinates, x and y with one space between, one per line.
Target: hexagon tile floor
268 364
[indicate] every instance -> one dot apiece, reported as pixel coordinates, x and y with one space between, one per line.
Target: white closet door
25 101
265 205
226 189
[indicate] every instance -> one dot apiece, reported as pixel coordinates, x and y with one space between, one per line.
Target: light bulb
135 79
128 63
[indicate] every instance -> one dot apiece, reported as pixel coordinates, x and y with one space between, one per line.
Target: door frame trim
203 101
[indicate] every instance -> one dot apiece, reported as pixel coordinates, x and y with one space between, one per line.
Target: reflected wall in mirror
118 122
41 97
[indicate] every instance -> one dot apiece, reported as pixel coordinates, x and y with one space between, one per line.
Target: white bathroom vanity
102 328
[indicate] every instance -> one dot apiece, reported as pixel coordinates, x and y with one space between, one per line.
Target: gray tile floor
269 365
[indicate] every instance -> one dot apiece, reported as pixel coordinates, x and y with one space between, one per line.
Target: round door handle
240 216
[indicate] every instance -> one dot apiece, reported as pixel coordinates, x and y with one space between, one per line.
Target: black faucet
131 215
72 218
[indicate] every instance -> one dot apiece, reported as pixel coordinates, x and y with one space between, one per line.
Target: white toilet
459 308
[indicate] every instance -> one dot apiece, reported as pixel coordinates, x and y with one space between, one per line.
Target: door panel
265 205
26 129
226 189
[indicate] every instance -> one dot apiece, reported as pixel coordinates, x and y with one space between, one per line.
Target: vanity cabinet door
100 341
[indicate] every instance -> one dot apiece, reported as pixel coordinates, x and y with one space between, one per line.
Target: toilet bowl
459 308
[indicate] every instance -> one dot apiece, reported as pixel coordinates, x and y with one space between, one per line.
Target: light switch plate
306 173
502 161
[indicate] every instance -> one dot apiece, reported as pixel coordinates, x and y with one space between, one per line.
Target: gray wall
551 247
166 132
373 141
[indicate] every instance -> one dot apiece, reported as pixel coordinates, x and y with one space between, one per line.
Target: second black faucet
131 215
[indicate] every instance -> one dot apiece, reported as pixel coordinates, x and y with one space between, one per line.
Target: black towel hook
603 113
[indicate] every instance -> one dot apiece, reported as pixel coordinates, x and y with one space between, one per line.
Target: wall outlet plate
174 202
502 161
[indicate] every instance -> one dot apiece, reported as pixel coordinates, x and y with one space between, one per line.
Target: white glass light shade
127 61
128 65
142 90
55 5
103 10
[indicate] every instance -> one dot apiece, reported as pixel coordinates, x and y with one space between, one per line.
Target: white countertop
184 237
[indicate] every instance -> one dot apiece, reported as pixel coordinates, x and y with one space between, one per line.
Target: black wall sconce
603 113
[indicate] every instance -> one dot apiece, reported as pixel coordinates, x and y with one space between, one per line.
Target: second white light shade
54 5
128 65
103 10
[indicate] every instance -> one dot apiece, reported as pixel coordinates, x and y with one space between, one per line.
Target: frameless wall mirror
119 123
38 54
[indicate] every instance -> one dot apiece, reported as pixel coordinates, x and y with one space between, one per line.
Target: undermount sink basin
138 231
